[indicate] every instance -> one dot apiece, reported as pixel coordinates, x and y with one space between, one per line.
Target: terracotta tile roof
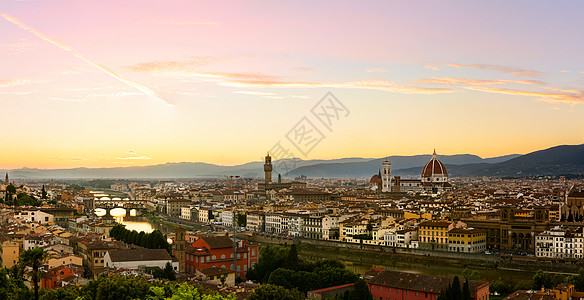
218 242
414 282
139 255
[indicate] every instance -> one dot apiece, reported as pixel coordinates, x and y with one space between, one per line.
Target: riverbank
360 258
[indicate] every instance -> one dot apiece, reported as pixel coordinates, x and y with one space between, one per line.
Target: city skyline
104 85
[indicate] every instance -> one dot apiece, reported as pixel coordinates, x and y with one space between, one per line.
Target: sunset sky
122 83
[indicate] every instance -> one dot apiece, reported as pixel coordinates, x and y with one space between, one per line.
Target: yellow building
433 235
10 252
213 275
63 260
349 229
467 240
94 252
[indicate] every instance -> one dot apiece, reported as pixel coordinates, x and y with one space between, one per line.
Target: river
359 263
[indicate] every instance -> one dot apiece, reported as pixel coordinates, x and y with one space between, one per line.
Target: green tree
456 291
10 190
33 258
117 288
242 220
12 287
60 294
577 280
360 291
504 288
141 238
466 291
547 280
274 292
271 258
292 259
76 187
468 274
169 271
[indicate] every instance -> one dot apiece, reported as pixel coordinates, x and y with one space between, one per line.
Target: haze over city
110 83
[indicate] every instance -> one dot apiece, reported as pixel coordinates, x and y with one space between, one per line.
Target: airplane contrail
65 47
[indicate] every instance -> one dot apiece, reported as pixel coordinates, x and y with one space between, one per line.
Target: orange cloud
454 65
170 66
13 82
266 80
507 70
381 85
565 97
467 81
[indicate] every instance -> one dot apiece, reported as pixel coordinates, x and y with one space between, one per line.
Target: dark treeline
280 267
153 240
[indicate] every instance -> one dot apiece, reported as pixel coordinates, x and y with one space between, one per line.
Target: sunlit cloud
375 70
65 47
564 97
14 82
454 65
131 156
21 46
467 81
504 69
171 67
271 81
508 70
134 158
381 85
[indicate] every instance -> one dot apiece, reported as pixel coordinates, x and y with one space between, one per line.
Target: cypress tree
292 259
456 292
466 291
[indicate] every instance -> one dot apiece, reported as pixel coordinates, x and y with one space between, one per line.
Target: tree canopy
153 240
282 267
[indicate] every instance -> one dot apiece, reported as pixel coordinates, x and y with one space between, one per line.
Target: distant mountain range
567 159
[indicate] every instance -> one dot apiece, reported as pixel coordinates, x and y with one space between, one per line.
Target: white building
560 243
255 221
33 241
273 223
185 212
204 214
295 223
34 216
227 218
135 259
330 227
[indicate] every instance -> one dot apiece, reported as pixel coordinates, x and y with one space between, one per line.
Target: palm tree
33 258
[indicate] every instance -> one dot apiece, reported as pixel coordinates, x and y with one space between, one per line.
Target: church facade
433 179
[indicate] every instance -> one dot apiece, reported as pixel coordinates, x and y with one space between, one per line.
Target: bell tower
386 176
180 243
268 168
